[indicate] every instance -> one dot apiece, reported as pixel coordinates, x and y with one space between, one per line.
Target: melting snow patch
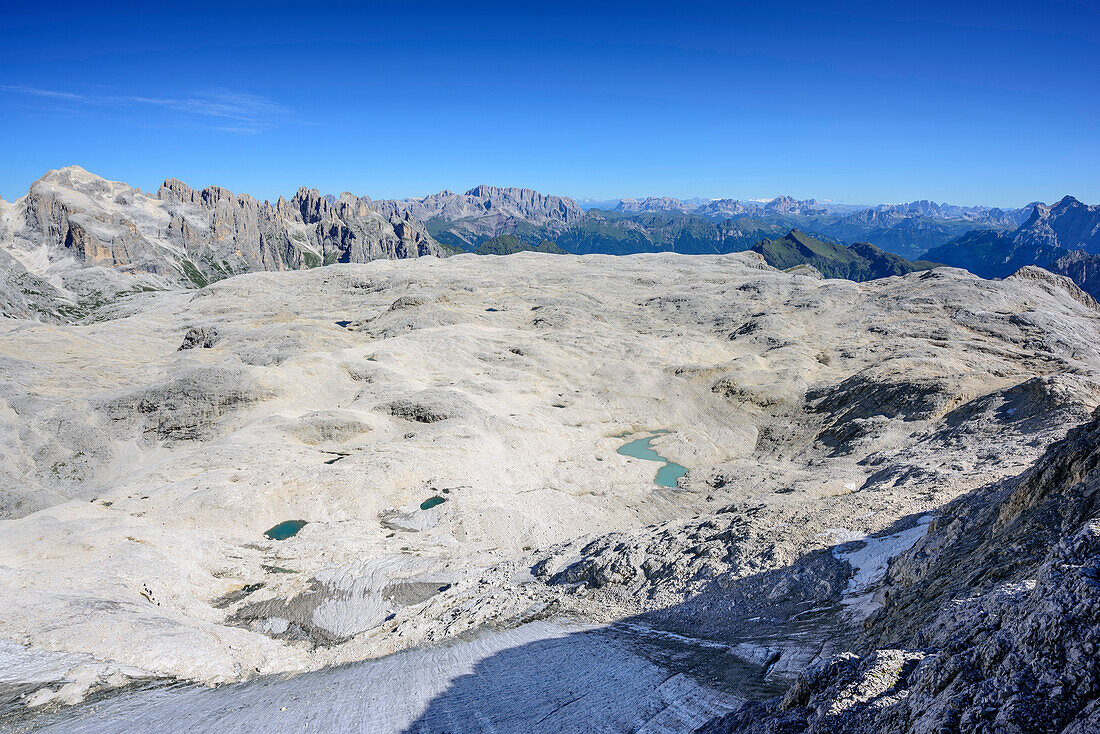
870 561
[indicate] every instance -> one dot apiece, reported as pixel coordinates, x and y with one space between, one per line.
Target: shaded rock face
990 623
1080 267
182 236
855 407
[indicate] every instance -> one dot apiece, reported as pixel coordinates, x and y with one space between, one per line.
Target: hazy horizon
584 201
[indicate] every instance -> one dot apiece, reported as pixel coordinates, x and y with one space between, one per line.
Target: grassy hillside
861 261
506 244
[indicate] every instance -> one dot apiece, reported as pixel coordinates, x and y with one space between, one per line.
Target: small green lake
432 502
641 449
285 529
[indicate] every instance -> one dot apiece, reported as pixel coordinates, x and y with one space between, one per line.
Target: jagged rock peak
181 235
175 190
486 191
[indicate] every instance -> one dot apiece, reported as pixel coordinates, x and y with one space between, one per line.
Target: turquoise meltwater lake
641 448
285 529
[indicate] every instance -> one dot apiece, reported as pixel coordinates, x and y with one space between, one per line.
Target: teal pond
640 449
285 529
432 502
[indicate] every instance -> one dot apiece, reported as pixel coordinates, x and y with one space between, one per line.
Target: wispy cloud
252 112
218 109
35 92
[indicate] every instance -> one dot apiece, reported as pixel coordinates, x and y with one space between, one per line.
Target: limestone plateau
387 494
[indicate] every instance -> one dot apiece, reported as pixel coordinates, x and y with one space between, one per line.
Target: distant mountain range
1063 238
696 226
77 241
464 221
725 208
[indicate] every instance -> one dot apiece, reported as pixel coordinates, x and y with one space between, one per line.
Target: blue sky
860 102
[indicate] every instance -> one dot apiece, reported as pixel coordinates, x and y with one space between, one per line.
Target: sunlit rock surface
77 241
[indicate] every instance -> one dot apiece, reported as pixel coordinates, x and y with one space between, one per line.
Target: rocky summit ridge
80 239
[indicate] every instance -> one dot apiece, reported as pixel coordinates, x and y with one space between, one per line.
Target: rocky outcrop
1051 281
990 623
72 220
190 406
199 337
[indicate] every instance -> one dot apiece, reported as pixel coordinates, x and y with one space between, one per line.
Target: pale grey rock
1051 280
72 222
329 427
826 426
